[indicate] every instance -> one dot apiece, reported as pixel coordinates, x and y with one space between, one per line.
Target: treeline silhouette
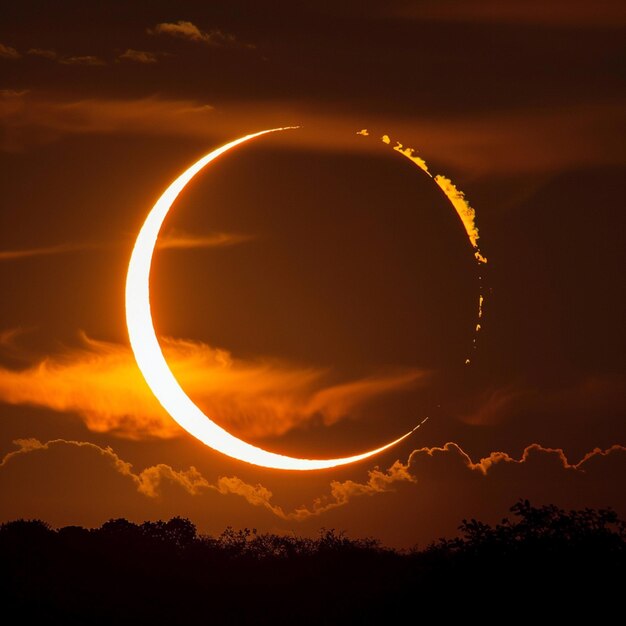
168 573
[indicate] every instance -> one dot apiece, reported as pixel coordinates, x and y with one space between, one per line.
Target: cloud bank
424 497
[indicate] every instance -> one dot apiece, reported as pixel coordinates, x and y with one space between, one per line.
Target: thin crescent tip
422 422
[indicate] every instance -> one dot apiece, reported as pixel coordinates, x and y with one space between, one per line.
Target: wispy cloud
13 255
9 336
12 94
181 29
44 53
53 55
101 382
545 141
82 60
138 56
7 52
188 30
183 241
169 241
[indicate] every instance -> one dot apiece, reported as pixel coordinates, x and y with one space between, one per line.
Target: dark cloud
52 55
8 94
138 56
423 499
82 60
187 30
449 486
44 53
7 52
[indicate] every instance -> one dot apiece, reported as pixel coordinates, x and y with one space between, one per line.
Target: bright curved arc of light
152 363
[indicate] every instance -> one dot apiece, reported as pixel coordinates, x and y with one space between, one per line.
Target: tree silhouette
166 573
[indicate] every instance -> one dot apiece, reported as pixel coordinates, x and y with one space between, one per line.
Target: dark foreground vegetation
166 573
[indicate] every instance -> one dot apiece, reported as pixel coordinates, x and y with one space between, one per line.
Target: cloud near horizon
151 480
100 382
428 480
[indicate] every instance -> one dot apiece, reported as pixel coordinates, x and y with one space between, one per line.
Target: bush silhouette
166 573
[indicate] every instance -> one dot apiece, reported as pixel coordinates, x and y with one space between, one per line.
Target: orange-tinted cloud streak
169 241
101 382
545 140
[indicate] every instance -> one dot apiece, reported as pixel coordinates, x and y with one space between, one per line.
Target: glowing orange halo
152 363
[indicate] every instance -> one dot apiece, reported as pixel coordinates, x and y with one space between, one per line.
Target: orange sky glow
439 243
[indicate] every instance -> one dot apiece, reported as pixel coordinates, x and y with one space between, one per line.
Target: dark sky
319 296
